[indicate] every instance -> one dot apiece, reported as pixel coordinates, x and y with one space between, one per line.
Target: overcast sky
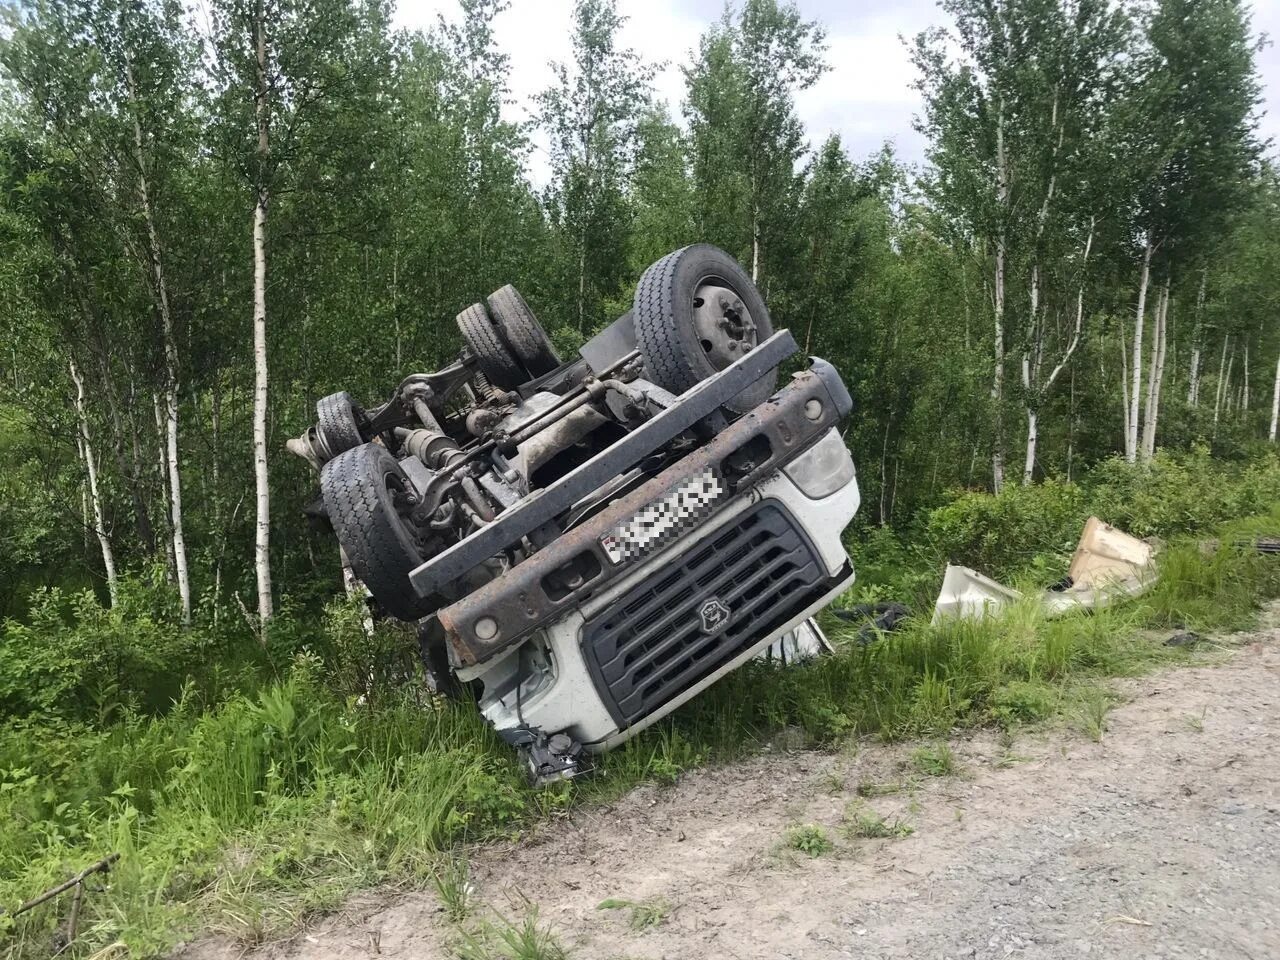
866 95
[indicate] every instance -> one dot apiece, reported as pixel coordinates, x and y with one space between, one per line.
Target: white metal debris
968 595
1107 564
805 642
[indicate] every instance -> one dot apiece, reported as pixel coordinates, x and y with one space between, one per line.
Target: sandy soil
1163 840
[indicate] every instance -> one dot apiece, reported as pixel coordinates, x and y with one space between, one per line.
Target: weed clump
643 914
809 839
936 760
864 823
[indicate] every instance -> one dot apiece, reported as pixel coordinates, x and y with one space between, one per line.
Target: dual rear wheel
695 312
507 340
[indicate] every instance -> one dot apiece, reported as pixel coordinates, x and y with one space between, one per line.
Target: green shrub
1182 493
1003 535
1023 701
77 658
1031 531
809 838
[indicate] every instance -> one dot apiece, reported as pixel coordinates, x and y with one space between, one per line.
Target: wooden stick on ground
102 866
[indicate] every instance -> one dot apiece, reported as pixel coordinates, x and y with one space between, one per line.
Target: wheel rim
723 323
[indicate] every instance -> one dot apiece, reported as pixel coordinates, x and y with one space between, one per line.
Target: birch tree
1078 75
1191 125
292 78
1275 403
1017 107
591 113
747 139
149 50
84 446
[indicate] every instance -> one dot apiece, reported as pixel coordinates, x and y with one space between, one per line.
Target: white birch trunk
84 499
1124 380
997 378
1217 396
262 535
1135 397
1275 403
1156 377
1226 389
174 476
1193 377
1164 349
1150 407
1031 372
162 456
85 445
262 538
1244 392
1033 437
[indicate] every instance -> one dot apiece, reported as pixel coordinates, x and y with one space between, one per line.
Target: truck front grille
654 642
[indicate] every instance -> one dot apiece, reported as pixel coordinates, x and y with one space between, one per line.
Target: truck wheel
338 418
696 311
522 332
496 361
368 499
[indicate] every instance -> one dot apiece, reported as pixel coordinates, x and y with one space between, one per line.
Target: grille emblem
714 615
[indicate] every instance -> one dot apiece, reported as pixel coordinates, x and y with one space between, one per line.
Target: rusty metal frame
542 506
517 602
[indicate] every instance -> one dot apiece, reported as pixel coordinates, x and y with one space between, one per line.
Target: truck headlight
822 469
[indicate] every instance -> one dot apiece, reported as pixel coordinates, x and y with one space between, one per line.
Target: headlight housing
822 469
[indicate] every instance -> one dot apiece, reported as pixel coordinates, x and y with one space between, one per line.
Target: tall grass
266 807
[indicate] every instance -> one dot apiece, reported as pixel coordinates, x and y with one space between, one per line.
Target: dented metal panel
1105 553
968 595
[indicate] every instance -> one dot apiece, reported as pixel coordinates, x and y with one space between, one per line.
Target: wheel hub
723 323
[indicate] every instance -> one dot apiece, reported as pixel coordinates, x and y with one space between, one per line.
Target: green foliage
1024 701
865 824
503 939
810 839
643 914
1184 493
1002 535
77 658
297 781
936 760
453 886
1029 530
1093 705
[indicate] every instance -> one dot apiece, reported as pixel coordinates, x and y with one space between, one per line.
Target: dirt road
1163 840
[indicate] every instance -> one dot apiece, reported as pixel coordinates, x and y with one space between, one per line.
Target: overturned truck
589 543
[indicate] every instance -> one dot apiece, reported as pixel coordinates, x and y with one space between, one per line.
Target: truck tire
496 361
367 497
522 332
696 311
338 418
